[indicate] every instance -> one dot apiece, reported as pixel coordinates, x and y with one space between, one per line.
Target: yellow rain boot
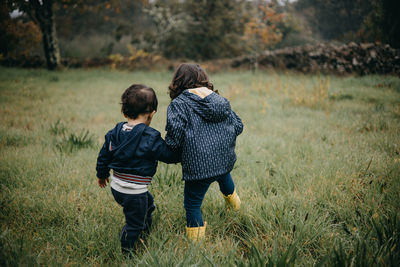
196 233
233 200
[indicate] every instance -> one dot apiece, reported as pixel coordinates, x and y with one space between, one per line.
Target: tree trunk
254 62
50 43
45 17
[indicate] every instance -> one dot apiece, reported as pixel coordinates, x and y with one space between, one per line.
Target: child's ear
151 115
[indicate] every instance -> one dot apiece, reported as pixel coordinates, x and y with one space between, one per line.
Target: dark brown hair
138 99
188 75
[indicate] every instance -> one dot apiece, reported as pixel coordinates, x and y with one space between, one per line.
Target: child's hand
103 182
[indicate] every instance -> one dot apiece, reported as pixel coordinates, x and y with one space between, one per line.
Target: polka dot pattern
204 130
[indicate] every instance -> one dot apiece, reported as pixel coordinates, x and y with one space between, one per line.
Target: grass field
318 172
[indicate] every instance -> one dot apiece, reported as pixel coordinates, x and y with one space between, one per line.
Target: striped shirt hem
127 188
130 178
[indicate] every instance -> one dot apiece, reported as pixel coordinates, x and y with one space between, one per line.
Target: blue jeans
137 210
194 194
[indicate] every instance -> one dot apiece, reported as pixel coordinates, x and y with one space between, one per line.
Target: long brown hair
188 75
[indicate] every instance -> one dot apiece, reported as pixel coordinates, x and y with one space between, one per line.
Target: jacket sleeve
176 125
104 159
160 151
237 123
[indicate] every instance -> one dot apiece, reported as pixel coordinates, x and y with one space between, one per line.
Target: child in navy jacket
203 128
132 150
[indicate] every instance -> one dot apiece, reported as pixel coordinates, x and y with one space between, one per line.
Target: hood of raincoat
212 107
124 144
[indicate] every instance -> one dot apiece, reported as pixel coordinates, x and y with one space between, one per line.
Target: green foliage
335 19
14 138
384 250
317 188
261 259
198 29
192 29
58 128
72 142
18 38
383 23
359 21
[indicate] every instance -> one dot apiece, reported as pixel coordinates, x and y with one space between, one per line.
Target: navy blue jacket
204 130
133 152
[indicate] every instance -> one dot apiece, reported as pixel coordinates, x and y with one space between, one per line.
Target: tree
42 13
169 25
197 29
216 28
335 19
261 31
383 23
18 38
357 20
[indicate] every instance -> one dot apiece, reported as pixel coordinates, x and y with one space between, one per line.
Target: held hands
103 182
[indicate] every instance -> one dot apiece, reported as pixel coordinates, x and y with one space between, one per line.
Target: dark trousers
194 193
137 210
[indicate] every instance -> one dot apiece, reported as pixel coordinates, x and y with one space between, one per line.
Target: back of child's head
138 99
187 76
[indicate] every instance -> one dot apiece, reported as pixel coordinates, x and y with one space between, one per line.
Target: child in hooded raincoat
132 150
202 127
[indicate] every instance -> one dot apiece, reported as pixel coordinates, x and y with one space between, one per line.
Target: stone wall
328 58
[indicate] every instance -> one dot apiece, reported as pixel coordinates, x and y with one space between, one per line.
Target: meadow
318 173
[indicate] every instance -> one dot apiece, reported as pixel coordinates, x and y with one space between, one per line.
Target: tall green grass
318 172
